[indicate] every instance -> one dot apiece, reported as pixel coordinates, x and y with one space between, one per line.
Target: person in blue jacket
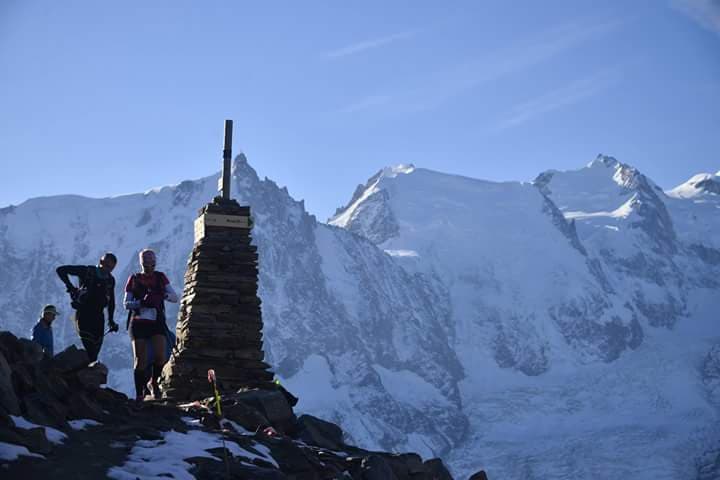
42 331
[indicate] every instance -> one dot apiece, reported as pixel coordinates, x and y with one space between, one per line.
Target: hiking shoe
154 390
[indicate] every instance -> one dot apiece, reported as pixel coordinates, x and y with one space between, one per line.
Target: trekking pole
218 408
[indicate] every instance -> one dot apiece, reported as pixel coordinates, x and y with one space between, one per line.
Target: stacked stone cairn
219 325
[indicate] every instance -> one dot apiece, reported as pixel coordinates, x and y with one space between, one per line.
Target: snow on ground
9 451
55 436
225 423
191 422
263 454
83 424
157 459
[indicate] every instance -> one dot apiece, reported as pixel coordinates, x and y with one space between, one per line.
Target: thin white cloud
706 13
543 48
367 45
559 98
440 87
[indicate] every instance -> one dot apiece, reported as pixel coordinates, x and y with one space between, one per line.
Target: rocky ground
58 421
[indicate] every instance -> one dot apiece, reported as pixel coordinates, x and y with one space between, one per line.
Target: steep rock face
338 312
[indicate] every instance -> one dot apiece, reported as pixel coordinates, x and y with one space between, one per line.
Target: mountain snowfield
583 306
561 328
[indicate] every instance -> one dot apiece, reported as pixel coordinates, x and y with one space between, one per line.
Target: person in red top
145 295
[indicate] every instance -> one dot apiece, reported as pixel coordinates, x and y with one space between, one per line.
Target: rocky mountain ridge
51 409
523 324
341 318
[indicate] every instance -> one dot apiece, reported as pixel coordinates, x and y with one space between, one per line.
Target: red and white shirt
149 281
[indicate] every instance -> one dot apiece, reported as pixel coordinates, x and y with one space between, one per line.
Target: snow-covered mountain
345 327
582 308
564 328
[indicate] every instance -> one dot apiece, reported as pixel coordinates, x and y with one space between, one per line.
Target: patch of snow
402 253
151 459
55 436
83 424
235 426
191 422
264 454
10 451
21 422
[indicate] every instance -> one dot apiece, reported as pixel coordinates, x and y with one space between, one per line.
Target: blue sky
105 98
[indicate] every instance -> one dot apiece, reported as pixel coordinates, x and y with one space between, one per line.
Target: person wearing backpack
145 295
95 292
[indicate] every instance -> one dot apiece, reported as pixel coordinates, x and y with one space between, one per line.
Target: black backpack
92 291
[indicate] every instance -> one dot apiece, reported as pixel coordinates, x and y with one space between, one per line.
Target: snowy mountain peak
606 192
602 185
371 197
623 174
604 161
396 170
698 185
370 202
240 162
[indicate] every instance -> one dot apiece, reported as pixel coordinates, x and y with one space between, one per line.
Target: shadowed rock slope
58 421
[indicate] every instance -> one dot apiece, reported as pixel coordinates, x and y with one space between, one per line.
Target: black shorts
144 330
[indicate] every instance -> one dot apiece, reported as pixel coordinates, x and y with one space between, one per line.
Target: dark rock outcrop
318 432
270 442
8 399
71 359
481 475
